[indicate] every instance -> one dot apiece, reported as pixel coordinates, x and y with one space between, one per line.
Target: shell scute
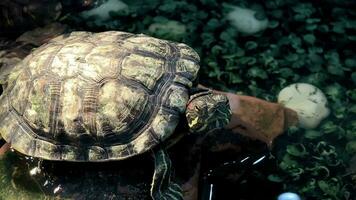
188 52
19 93
147 70
148 44
112 36
119 108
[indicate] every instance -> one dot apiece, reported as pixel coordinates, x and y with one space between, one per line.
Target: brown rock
4 148
259 119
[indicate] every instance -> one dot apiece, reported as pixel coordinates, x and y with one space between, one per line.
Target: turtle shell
97 96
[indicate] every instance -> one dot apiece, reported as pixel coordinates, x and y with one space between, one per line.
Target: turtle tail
162 187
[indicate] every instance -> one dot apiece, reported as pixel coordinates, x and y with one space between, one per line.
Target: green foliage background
306 41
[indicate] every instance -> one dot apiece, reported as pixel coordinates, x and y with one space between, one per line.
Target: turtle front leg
162 187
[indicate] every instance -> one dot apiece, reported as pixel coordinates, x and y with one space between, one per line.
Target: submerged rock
169 29
102 12
246 20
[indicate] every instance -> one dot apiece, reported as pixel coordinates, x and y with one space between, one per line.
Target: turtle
108 96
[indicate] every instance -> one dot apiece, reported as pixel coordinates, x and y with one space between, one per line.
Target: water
30 178
12 179
27 178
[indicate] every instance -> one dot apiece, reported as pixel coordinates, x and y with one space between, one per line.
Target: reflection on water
27 178
13 175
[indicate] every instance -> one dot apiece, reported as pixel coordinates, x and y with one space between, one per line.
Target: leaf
315 50
312 134
252 61
323 186
339 28
334 91
246 60
260 15
275 178
238 53
317 79
212 24
216 49
286 72
298 63
312 20
249 45
349 62
296 173
300 50
352 37
352 109
303 8
235 78
333 57
273 24
311 27
351 147
330 187
208 39
292 57
257 72
225 36
319 171
309 186
335 70
295 41
316 60
329 127
297 150
324 28
351 94
309 38
278 14
209 2
169 6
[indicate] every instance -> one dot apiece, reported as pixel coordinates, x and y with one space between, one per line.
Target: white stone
308 101
244 20
288 196
102 12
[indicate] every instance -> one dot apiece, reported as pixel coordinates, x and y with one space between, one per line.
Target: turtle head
207 111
